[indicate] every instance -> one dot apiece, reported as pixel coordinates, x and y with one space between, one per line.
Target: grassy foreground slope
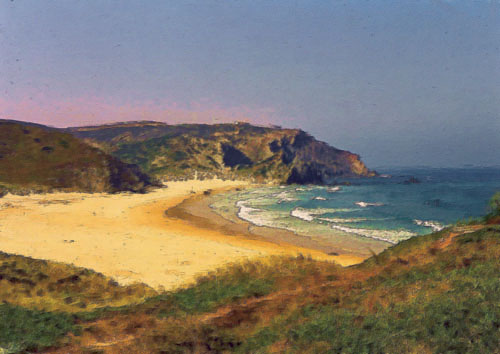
52 286
433 294
38 299
38 158
225 150
438 293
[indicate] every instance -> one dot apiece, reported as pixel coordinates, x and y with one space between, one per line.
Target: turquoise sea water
400 204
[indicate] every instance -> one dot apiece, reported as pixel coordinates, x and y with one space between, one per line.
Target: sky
402 83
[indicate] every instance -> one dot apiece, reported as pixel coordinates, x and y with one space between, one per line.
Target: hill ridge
34 157
227 150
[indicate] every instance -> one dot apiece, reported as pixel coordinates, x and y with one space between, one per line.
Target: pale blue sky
399 82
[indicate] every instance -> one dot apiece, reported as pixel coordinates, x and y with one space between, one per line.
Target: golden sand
128 236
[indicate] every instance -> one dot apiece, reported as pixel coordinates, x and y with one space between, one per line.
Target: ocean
399 204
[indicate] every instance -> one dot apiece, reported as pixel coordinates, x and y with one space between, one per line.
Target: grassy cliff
38 158
225 150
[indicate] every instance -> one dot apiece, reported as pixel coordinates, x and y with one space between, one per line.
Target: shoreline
129 238
196 211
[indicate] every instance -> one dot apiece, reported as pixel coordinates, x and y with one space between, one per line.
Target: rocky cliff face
225 150
312 161
38 158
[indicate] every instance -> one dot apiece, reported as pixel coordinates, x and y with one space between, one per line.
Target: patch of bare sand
127 236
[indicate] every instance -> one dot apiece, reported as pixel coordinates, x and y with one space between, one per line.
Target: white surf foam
284 197
333 189
346 220
366 204
391 236
434 225
247 213
309 214
302 214
318 198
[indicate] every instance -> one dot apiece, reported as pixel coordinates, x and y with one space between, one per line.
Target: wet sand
343 250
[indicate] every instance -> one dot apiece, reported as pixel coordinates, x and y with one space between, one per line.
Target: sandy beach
130 237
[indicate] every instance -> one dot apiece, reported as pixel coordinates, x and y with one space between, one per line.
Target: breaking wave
284 197
366 204
245 213
391 236
346 220
318 198
302 214
309 214
434 225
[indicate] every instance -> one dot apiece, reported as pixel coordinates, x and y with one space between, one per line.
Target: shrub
495 204
22 329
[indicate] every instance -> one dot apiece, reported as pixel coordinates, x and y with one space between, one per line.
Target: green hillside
38 158
237 150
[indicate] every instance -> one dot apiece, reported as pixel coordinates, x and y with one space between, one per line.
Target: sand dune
127 236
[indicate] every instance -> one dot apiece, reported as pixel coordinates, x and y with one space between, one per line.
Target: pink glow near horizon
92 111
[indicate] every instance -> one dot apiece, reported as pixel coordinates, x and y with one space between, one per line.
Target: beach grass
233 283
53 286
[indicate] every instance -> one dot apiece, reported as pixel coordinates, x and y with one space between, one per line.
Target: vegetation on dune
431 294
40 300
23 330
35 158
414 298
235 283
494 216
181 321
449 305
51 286
491 218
